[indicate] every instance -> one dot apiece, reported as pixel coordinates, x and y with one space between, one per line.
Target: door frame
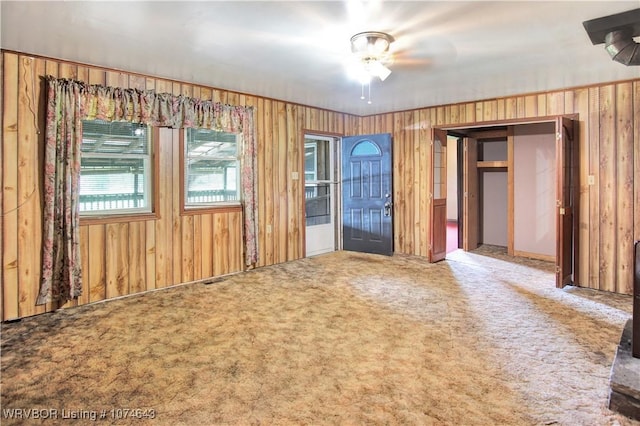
567 192
304 133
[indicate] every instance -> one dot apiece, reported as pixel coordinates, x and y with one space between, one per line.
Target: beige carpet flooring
344 338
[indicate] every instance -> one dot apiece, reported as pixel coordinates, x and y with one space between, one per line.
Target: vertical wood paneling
116 259
282 182
555 103
1 196
207 245
511 108
150 255
236 259
163 234
84 258
581 106
176 220
262 196
423 181
541 105
408 180
607 189
399 190
294 214
187 248
10 206
28 190
221 243
197 248
125 258
594 190
137 257
97 268
269 188
624 187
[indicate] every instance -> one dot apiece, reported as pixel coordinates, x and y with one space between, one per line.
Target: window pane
365 148
317 160
115 168
114 137
317 204
211 169
310 160
210 181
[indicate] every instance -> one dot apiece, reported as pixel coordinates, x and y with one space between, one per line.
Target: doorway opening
518 190
322 194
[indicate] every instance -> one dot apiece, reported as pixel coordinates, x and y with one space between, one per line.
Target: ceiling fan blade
381 71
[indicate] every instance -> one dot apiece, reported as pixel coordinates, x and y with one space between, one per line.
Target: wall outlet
591 180
294 175
269 229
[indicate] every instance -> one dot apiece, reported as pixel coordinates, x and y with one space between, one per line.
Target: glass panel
317 160
210 181
211 169
115 167
114 137
310 161
439 170
112 184
365 147
318 203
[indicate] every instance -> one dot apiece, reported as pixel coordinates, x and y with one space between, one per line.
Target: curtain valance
107 103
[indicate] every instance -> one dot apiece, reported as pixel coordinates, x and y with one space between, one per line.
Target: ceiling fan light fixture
371 52
372 44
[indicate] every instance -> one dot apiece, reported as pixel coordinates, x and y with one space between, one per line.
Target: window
310 160
115 168
212 168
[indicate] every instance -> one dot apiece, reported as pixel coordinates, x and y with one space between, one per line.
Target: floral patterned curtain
61 277
68 103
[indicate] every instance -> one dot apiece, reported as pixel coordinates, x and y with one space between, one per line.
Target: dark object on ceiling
617 33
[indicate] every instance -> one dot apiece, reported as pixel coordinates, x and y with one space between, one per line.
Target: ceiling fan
373 56
371 51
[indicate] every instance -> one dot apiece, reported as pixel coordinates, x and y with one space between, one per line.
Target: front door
366 194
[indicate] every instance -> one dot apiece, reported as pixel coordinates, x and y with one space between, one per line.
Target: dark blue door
367 188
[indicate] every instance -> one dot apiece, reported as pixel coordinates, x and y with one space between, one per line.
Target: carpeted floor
343 338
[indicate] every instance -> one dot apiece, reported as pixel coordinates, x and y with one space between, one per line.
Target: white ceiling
447 51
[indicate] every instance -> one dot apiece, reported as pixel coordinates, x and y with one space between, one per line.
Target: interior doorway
322 194
519 189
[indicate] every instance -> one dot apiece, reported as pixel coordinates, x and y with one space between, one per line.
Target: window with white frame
115 168
212 168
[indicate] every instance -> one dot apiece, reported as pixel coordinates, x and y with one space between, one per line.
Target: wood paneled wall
124 258
609 144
